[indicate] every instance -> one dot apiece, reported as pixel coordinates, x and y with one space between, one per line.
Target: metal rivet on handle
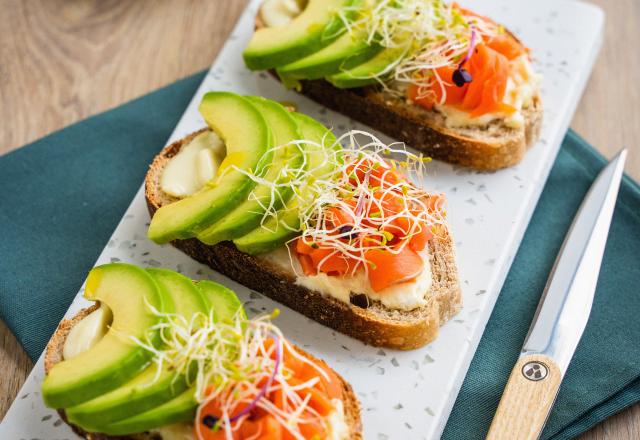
535 371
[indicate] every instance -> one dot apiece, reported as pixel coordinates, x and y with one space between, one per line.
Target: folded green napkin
62 197
604 375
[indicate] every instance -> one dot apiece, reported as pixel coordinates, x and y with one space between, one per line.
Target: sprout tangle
314 193
238 363
434 33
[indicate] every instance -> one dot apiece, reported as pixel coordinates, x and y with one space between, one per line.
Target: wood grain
525 402
64 60
607 116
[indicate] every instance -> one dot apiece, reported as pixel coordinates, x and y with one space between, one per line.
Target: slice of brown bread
53 355
375 325
485 148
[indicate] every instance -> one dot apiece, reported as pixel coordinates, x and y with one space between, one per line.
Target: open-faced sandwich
270 198
437 76
162 357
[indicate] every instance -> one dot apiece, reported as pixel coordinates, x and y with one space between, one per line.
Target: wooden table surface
64 60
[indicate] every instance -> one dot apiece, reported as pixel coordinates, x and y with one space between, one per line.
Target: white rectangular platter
403 394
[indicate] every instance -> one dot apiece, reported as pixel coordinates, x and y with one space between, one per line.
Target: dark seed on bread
359 299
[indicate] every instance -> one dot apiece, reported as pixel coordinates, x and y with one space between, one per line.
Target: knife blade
562 314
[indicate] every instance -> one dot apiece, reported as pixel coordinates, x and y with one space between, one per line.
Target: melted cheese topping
403 296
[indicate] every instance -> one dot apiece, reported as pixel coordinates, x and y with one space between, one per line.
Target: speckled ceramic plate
403 394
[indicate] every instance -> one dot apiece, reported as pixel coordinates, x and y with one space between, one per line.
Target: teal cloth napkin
61 198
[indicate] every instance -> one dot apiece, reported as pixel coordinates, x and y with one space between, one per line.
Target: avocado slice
149 389
348 51
316 27
115 359
181 408
371 71
223 301
248 140
277 231
248 215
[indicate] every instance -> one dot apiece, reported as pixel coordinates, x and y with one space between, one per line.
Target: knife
561 316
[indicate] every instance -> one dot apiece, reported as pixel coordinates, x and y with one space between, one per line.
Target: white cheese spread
280 12
87 333
339 430
402 296
195 165
177 431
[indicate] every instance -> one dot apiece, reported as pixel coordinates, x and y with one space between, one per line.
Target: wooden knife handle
527 399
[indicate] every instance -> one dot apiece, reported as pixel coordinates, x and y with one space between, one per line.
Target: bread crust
375 325
53 355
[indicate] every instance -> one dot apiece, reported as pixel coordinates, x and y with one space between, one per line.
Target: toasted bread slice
53 355
485 148
375 325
